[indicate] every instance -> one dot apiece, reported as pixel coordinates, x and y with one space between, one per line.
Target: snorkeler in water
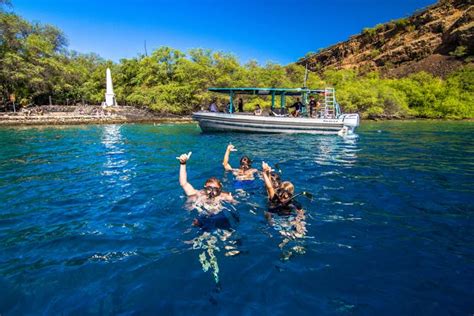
212 220
245 170
282 202
208 201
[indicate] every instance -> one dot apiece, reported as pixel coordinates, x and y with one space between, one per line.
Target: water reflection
117 167
293 231
332 151
211 240
210 243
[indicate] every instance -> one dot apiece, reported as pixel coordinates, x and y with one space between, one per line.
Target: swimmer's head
285 192
275 179
213 187
245 163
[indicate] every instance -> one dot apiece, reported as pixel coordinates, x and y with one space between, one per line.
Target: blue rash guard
215 221
244 184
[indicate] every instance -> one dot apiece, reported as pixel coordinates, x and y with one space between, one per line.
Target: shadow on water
93 221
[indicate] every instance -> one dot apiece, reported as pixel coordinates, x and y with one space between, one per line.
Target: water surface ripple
92 221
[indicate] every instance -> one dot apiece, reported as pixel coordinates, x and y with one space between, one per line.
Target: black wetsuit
283 210
297 105
241 106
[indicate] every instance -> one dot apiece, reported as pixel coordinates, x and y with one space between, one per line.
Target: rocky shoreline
79 115
76 115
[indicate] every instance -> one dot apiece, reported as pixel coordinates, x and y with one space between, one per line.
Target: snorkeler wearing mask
281 201
245 170
208 201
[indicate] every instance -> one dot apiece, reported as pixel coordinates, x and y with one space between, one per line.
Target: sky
279 31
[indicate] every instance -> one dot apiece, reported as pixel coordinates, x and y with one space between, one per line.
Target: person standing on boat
245 171
312 106
241 105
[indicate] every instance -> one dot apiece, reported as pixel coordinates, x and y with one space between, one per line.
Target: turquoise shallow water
92 221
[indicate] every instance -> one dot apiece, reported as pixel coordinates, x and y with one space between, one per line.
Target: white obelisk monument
109 93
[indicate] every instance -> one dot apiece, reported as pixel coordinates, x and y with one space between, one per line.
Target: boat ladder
331 107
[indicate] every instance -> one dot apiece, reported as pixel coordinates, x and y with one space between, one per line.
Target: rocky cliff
438 39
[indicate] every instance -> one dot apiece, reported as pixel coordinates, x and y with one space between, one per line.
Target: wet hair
288 186
215 181
245 161
285 191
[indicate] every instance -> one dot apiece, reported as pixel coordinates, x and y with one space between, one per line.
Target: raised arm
266 178
183 177
225 162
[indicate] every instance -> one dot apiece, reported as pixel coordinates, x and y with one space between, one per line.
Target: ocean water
93 221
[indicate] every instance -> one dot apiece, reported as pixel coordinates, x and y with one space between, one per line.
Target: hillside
438 40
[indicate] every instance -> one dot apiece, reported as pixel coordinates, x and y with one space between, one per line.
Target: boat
328 119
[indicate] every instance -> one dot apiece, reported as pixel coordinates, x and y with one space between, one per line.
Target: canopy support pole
231 102
282 100
273 100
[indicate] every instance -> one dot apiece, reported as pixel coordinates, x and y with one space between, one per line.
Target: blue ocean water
93 221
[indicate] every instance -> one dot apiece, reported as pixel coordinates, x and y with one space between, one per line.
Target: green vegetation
419 95
374 53
35 63
401 23
460 51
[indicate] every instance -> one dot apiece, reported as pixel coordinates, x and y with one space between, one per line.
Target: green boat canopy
267 91
273 92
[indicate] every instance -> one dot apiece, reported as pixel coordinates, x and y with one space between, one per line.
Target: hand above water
231 147
184 157
266 167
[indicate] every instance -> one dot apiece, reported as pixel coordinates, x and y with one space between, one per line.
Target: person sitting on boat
208 201
245 171
282 202
298 107
258 110
213 107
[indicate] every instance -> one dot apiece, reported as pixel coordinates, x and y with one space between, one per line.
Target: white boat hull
224 122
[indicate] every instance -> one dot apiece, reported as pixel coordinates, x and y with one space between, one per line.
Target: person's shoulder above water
245 170
212 190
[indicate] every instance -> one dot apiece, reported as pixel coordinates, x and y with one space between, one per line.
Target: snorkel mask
284 196
212 192
245 163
